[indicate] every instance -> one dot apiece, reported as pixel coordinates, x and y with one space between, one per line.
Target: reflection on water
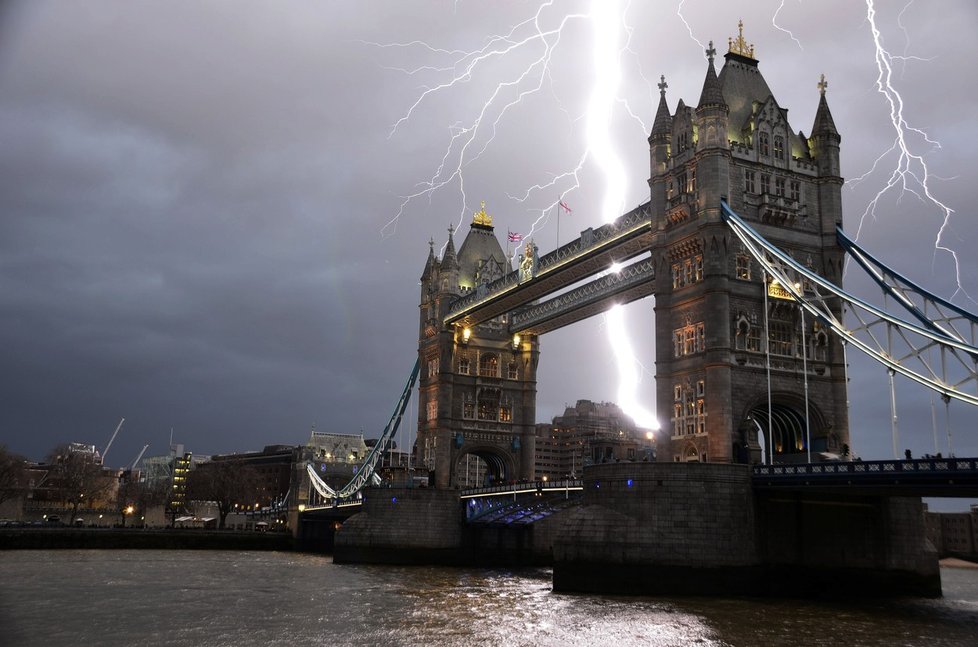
55 598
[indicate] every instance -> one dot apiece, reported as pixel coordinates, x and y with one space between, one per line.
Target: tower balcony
777 209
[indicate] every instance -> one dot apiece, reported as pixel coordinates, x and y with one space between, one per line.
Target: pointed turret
824 124
661 131
449 262
431 264
825 138
712 95
712 111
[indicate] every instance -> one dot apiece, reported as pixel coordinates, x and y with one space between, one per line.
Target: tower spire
711 95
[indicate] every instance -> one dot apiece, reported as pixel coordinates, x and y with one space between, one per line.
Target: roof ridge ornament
822 85
663 85
739 46
481 217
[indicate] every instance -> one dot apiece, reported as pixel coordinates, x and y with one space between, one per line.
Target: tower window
765 183
513 373
463 366
682 182
488 404
778 147
689 340
432 367
765 143
779 186
489 365
743 267
749 179
795 190
687 272
432 409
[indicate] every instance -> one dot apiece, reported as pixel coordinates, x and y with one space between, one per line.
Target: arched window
489 365
764 142
778 147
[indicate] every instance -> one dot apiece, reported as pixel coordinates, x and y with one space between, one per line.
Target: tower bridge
741 246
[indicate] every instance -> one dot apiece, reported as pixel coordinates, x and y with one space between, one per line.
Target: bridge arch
480 465
787 427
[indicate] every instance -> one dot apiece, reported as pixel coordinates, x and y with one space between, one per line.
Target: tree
137 496
77 477
13 471
225 482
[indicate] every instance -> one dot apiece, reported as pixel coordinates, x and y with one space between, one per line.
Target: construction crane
114 434
133 466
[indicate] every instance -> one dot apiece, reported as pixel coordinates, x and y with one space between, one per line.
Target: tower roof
662 126
449 261
429 265
711 95
481 257
824 124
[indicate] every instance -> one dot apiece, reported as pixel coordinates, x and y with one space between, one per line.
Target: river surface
239 599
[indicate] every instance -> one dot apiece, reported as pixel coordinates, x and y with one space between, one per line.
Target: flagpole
558 224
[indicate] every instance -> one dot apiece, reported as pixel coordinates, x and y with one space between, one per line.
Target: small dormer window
764 142
778 147
683 141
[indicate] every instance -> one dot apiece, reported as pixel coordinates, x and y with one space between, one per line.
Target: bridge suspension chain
899 345
367 473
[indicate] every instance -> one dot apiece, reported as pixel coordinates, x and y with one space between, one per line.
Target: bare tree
225 482
13 470
77 478
137 497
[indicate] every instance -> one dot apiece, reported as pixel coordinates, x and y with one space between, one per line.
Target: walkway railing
517 488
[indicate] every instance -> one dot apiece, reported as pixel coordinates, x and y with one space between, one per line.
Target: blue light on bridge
630 482
393 499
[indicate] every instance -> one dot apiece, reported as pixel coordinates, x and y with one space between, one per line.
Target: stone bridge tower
477 393
713 336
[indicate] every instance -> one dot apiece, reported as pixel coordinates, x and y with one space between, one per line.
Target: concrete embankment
55 538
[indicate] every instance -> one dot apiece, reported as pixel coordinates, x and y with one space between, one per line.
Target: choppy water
55 598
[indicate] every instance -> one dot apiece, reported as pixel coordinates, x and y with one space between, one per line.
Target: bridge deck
938 477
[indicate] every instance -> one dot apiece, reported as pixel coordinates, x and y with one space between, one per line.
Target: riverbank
134 538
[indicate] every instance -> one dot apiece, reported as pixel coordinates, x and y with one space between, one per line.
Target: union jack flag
514 237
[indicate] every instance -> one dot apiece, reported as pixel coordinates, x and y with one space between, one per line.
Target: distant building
171 470
273 467
589 433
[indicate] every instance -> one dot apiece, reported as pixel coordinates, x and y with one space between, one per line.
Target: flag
563 205
514 237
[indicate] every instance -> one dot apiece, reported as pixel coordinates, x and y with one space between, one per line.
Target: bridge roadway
593 252
925 477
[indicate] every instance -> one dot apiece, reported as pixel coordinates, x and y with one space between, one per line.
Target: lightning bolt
679 12
774 22
910 173
537 37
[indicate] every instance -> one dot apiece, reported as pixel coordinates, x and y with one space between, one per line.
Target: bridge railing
516 488
919 465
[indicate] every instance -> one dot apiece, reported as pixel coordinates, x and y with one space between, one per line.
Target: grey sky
193 199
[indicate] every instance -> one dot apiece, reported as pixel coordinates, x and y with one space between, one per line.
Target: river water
239 599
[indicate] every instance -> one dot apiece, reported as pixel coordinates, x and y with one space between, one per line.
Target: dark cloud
193 200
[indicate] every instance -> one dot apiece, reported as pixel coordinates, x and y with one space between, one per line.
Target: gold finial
740 46
481 217
822 84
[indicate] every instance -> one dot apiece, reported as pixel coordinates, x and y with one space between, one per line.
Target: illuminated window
489 365
778 147
691 186
765 143
463 366
689 340
513 373
781 338
743 267
749 179
433 367
488 404
505 413
687 272
432 409
689 412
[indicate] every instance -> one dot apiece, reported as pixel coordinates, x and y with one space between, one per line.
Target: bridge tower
477 391
716 329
